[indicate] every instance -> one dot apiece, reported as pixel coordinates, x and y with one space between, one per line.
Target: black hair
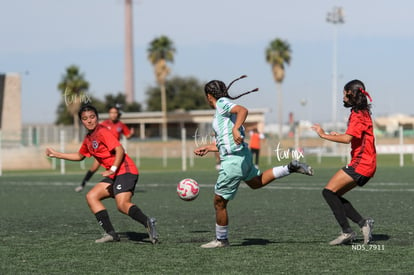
357 96
85 108
218 89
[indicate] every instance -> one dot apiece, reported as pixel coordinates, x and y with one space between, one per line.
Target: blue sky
216 39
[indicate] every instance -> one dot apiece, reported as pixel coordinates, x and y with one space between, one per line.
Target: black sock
337 208
352 213
87 177
136 213
103 220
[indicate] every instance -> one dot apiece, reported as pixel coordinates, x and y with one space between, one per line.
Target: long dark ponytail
218 89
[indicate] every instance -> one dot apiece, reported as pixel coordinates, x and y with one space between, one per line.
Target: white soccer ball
188 189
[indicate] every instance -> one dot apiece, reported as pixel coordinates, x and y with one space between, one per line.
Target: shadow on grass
200 231
375 238
135 237
380 237
247 242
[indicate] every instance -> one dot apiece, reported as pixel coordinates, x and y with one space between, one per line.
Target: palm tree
160 51
73 87
277 55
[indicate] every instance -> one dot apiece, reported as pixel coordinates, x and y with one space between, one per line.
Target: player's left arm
128 132
333 136
131 133
336 137
241 115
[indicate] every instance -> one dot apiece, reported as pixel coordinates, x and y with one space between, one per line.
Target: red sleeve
84 150
356 125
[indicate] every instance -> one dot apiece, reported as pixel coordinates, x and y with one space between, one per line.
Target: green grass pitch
284 228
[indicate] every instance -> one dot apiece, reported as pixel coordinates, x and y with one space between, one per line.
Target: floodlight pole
129 53
335 17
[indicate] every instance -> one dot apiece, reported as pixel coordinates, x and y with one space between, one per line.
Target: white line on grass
270 186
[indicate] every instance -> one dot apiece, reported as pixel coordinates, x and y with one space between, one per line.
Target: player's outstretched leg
299 167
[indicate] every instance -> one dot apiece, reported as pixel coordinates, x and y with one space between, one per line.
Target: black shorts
122 183
359 179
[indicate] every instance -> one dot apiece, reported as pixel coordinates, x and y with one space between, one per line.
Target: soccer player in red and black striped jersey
360 170
118 129
120 175
115 125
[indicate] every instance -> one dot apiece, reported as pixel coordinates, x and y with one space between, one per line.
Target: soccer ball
188 189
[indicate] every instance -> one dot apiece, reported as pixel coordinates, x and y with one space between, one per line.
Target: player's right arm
203 150
241 115
50 152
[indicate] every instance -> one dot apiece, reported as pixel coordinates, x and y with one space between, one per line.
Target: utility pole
129 53
336 17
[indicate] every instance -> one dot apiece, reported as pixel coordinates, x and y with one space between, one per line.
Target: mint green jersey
223 124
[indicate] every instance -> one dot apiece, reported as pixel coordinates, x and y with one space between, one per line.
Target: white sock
280 171
221 232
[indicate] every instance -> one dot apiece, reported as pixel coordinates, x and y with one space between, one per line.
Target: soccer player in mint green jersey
236 159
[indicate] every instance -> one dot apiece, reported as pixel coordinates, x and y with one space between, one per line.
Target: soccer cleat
152 231
299 167
106 238
367 230
216 243
79 188
344 238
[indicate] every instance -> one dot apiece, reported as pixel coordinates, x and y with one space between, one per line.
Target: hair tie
366 94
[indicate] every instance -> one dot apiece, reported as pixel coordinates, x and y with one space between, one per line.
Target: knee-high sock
352 213
136 213
103 220
337 208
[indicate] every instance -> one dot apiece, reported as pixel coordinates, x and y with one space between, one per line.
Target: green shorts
234 169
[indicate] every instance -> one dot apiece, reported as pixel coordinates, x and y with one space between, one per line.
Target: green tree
120 101
278 53
160 51
73 87
182 93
